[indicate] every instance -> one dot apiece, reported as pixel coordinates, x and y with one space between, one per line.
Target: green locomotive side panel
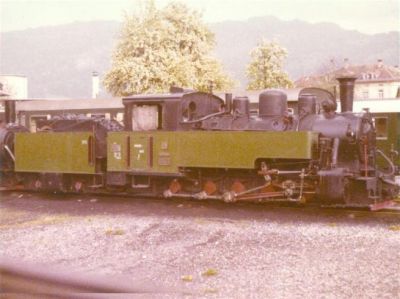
53 152
165 152
242 149
117 151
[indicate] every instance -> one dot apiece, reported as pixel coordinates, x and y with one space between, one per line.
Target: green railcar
388 136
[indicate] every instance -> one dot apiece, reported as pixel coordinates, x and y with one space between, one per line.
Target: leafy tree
265 67
161 47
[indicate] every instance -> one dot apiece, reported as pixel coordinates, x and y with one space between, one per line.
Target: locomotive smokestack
228 102
9 107
346 84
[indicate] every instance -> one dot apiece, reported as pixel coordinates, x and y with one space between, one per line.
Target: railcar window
120 118
190 112
381 126
34 120
145 117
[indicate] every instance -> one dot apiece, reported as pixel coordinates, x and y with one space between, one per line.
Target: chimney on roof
95 84
380 63
346 63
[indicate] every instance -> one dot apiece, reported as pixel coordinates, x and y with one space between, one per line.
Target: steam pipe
228 109
391 165
203 118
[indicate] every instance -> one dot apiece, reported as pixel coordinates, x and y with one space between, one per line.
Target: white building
374 81
15 86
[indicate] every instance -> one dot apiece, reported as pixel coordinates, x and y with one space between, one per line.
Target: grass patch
115 232
11 215
210 291
210 272
395 228
187 278
205 221
40 220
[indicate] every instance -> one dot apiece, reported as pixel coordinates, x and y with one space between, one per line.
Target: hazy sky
368 16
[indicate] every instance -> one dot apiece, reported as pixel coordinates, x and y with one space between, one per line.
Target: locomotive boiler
196 145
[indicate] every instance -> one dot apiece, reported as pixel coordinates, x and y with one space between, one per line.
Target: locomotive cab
169 112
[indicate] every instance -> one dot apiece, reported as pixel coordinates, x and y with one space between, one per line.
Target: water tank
272 102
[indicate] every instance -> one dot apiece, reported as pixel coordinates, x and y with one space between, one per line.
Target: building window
380 93
365 94
381 127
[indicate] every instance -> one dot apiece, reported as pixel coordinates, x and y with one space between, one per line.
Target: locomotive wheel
237 187
209 187
348 200
78 186
175 186
38 185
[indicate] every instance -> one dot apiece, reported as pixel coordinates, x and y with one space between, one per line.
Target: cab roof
165 96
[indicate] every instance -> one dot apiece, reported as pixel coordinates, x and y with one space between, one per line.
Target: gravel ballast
208 249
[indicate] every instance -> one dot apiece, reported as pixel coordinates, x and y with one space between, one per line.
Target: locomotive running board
382 205
14 188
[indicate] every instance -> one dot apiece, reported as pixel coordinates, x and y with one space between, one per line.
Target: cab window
145 117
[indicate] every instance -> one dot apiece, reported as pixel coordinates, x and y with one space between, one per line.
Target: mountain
59 60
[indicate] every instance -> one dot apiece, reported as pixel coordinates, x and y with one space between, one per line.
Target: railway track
358 212
393 211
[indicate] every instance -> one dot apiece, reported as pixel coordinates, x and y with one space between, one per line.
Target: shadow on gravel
95 205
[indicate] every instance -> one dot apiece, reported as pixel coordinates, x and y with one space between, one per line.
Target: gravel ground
208 249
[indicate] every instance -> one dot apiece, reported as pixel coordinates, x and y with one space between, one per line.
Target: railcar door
141 155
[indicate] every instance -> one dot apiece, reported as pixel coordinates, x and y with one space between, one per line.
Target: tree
161 47
265 67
